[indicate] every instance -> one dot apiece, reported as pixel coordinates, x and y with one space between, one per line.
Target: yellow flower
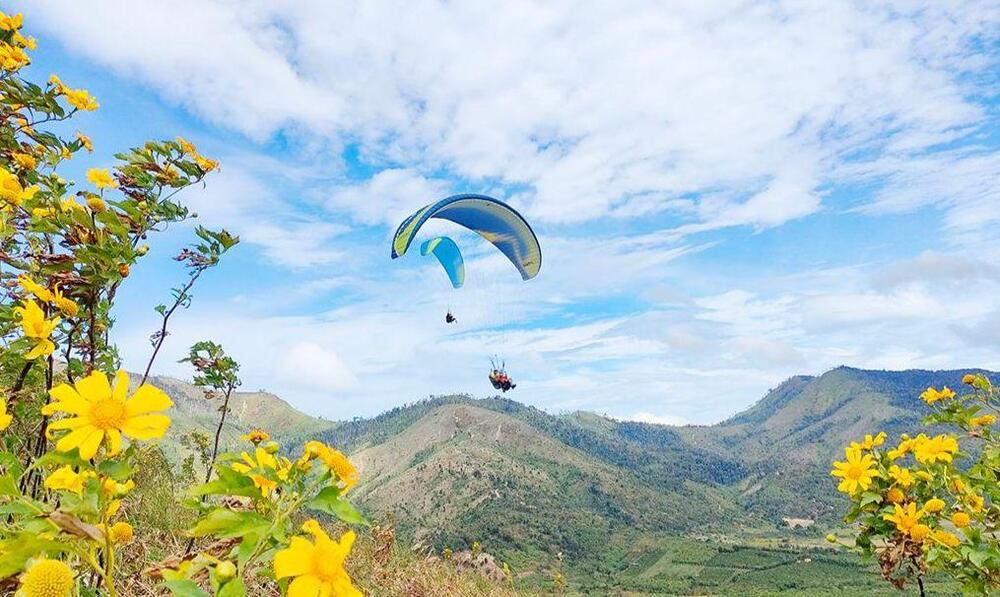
924 475
894 496
960 519
5 419
41 293
975 502
934 505
968 379
957 485
101 178
930 450
11 190
105 413
24 160
347 475
121 532
931 395
857 472
919 532
983 420
12 58
25 42
205 164
47 578
85 140
96 205
57 83
187 146
43 212
945 538
873 442
317 568
64 304
11 23
68 205
901 475
256 436
115 489
81 99
252 466
67 479
905 518
37 328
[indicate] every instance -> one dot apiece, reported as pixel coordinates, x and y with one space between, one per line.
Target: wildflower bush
74 427
925 505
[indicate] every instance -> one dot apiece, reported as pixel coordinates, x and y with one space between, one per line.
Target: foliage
917 507
74 453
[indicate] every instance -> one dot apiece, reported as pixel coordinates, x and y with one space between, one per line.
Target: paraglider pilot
500 380
449 318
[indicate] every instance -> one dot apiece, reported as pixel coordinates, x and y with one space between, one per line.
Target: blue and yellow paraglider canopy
450 257
492 219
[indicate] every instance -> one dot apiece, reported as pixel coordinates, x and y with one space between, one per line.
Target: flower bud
831 538
225 570
271 447
123 270
142 250
96 205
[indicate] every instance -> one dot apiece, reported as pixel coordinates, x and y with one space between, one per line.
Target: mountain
607 494
247 410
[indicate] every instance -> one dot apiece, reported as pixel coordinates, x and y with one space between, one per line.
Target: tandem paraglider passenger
500 380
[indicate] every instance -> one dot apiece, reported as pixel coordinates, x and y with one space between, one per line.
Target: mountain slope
452 470
467 472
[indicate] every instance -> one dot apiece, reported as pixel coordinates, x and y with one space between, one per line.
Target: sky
726 193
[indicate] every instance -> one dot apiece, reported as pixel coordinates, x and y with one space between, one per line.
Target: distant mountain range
451 470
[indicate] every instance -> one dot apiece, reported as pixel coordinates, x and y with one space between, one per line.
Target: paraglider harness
449 318
499 378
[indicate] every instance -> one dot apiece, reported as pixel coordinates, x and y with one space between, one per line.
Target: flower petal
94 387
74 423
120 392
305 586
66 400
294 560
146 426
114 441
89 446
147 399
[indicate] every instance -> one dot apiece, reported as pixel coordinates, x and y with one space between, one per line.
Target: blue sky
726 193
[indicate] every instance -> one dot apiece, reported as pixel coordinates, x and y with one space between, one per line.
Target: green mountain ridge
451 470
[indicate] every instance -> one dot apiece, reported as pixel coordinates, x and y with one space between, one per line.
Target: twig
162 336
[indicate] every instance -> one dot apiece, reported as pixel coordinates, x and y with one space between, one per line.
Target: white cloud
623 109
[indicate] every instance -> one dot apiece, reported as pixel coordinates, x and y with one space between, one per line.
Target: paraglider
449 256
491 219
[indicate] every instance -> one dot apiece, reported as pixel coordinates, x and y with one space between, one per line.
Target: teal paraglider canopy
491 218
450 257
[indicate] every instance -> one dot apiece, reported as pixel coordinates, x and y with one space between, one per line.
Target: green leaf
185 588
225 523
246 548
233 588
16 551
979 557
117 470
8 486
330 502
55 458
869 497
